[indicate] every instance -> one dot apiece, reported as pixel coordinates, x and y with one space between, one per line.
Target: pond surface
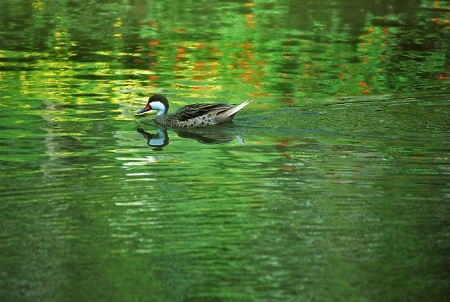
332 185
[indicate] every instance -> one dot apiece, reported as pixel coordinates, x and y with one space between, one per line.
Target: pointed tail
235 109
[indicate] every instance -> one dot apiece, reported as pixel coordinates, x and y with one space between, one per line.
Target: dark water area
332 185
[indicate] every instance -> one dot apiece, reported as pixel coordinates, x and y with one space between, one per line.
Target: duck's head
156 102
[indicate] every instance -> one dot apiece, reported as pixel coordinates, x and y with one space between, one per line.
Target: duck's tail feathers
235 109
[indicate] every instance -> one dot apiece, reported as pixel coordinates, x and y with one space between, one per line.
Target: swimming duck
194 115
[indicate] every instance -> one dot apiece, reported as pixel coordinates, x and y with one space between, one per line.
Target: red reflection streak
153 78
364 85
181 53
437 5
199 66
247 64
250 23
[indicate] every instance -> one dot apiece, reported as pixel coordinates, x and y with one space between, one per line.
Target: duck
191 116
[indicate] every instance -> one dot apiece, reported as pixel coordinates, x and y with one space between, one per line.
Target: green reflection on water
332 183
260 50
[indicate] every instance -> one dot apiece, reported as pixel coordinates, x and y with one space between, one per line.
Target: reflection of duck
216 135
160 139
195 115
213 135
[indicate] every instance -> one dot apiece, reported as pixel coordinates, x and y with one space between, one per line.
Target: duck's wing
195 110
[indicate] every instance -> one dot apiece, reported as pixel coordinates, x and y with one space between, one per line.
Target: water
332 185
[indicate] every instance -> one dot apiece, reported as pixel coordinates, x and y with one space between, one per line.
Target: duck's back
197 110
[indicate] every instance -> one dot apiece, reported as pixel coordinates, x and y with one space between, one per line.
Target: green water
333 185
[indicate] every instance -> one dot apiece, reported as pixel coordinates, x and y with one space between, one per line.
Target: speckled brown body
191 116
196 115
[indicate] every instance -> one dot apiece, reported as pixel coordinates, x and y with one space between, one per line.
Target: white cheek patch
158 106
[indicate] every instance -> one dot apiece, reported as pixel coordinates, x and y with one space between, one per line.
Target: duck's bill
144 110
